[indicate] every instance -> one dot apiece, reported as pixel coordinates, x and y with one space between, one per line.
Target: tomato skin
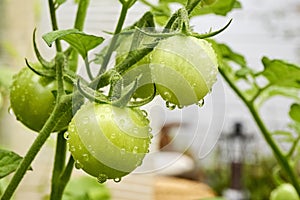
184 69
285 191
32 100
108 142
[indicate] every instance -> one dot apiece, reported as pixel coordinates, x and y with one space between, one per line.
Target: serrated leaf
218 7
9 161
80 41
281 73
295 112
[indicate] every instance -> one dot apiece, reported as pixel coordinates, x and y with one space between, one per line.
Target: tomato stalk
59 163
125 8
281 158
54 23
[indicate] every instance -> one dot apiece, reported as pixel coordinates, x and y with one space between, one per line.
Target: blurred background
194 143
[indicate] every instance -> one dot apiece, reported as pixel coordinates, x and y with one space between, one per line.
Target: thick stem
282 160
114 39
54 23
62 181
81 14
59 162
34 149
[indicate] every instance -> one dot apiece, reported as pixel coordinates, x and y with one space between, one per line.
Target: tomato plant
32 99
108 142
109 135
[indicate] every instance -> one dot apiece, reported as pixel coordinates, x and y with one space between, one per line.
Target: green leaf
271 91
218 7
85 188
295 112
9 161
78 40
281 73
59 2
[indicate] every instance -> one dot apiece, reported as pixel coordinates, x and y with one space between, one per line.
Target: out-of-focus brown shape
180 189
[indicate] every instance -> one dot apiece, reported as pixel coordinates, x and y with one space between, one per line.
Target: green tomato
184 69
285 191
145 86
32 100
108 142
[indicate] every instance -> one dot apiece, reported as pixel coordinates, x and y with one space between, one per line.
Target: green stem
81 14
59 163
54 23
63 180
114 39
282 160
35 148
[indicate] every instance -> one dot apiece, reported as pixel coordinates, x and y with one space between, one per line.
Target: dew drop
117 180
78 165
113 136
123 151
66 135
167 95
10 111
145 113
200 103
85 120
150 136
180 106
139 162
135 149
71 127
85 157
102 117
135 130
170 105
102 178
72 148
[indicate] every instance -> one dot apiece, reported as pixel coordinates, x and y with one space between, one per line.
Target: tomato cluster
107 141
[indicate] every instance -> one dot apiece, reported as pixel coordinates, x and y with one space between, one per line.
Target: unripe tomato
285 191
145 86
184 69
108 142
32 99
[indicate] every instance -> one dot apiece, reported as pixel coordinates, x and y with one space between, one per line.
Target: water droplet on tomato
149 129
117 180
113 136
66 135
123 151
135 149
78 165
10 111
145 113
85 120
86 157
71 127
72 148
200 103
180 106
135 130
102 178
167 95
122 121
170 105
